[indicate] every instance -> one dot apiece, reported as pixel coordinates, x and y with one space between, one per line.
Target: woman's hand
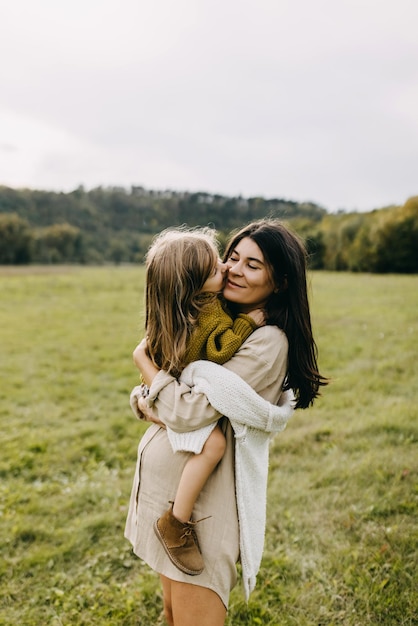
147 413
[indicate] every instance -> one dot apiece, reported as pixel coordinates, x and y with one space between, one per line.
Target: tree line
117 225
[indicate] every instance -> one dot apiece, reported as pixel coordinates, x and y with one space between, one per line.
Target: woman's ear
282 286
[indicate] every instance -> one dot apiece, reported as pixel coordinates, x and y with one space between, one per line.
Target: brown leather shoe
179 540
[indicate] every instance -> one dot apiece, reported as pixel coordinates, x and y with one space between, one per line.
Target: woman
267 270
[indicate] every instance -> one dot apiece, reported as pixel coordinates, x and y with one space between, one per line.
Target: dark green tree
60 243
16 240
397 241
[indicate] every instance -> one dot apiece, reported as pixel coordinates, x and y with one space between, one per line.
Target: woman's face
249 283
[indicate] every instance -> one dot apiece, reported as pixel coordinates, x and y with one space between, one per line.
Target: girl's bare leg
190 605
195 474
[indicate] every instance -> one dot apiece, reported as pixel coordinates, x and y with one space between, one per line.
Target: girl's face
216 280
249 283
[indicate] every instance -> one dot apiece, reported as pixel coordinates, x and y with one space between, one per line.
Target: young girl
185 267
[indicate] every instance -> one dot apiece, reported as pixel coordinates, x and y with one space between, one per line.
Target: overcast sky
309 100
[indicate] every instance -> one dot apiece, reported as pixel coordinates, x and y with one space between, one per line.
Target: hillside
117 225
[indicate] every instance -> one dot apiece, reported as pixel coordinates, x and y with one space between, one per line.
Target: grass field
342 535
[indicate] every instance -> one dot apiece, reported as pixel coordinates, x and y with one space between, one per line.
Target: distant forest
116 225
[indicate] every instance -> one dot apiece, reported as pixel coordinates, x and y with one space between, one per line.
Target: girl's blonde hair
178 264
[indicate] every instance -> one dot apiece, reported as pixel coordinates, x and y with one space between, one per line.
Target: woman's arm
261 362
223 387
144 363
171 403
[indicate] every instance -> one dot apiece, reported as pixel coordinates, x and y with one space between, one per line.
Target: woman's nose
234 268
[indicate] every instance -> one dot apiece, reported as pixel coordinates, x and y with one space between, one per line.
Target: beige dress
262 362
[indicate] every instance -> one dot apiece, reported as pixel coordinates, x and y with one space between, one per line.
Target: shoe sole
179 566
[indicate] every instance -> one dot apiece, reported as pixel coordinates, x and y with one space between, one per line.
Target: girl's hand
259 316
147 413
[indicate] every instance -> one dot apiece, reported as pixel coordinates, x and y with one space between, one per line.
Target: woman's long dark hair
288 307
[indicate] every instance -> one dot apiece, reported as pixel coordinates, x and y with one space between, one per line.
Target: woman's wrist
143 362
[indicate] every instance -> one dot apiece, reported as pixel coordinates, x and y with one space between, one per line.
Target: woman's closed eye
234 259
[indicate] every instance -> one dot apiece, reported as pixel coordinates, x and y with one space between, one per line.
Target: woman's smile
231 284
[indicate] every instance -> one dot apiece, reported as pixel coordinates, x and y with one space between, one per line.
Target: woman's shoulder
270 338
262 361
267 344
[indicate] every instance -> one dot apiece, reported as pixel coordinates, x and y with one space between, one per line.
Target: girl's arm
217 336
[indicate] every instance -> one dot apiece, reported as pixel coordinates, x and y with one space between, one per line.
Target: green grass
341 543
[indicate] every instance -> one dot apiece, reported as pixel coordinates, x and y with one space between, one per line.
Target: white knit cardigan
254 420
